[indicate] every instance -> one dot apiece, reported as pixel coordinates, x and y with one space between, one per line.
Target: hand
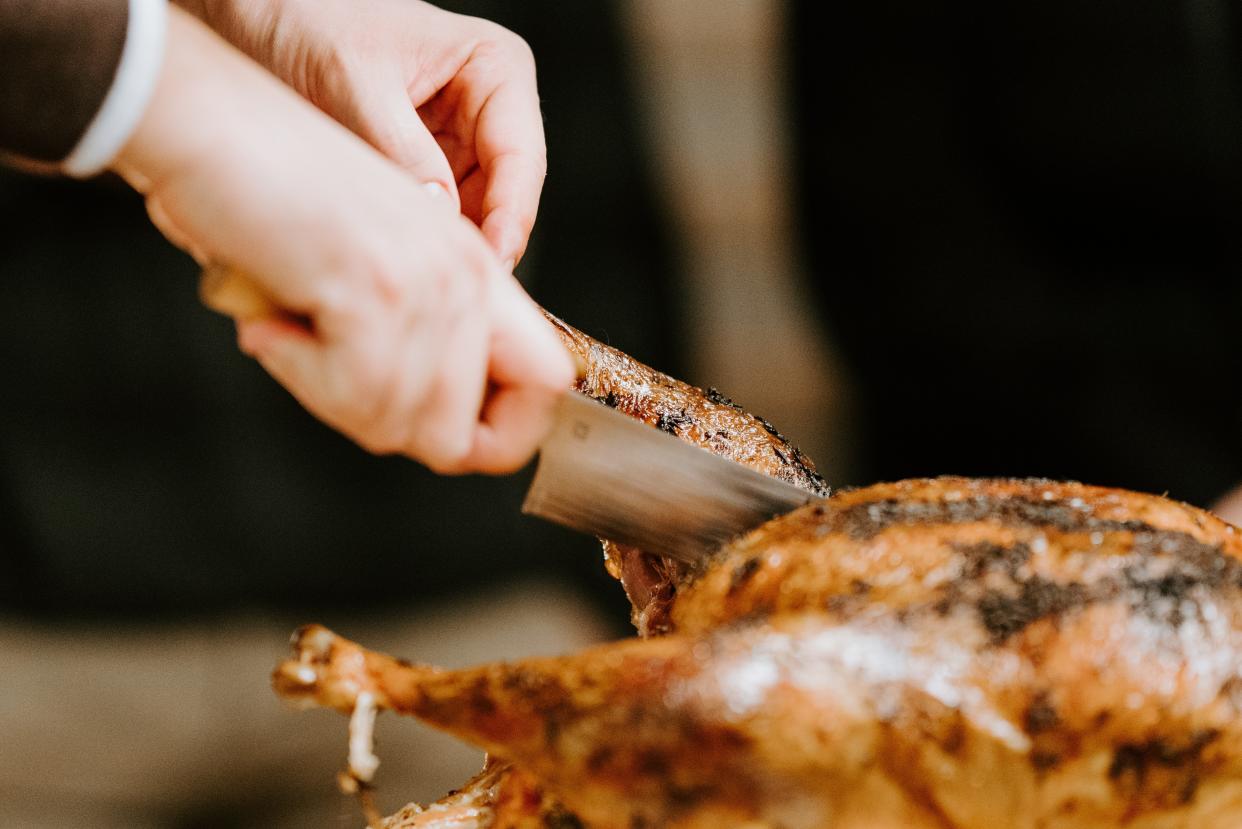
450 98
415 339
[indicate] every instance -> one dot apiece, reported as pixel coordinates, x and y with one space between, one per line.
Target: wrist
192 116
130 93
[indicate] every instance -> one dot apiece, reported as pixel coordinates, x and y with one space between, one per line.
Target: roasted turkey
939 653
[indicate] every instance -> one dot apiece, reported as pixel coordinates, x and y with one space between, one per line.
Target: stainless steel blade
607 474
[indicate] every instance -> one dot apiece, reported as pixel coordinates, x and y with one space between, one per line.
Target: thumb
388 121
528 369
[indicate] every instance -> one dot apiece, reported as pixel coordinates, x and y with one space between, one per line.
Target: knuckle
390 286
326 78
333 301
447 296
518 47
360 391
444 451
495 40
368 282
460 292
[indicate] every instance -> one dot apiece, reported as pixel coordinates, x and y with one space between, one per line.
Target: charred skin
942 653
705 418
1016 551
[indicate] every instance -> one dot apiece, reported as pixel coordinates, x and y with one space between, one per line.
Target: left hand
450 98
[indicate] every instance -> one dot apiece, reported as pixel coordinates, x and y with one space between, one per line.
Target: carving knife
607 474
603 473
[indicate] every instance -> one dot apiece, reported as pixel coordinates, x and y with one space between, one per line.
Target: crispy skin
1017 550
704 418
945 653
499 797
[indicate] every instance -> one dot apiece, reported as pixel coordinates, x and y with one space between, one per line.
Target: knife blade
603 473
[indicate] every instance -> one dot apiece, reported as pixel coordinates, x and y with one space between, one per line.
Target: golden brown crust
962 652
705 418
947 540
930 654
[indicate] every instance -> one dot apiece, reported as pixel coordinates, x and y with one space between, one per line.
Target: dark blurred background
1023 222
922 238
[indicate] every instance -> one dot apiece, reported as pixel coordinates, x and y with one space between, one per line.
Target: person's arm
75 76
405 331
450 98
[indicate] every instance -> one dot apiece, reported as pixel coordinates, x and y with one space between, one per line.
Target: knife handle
230 292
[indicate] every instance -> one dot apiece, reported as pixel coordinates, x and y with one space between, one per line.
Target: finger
526 348
172 231
290 353
528 369
510 203
515 421
512 156
444 425
388 121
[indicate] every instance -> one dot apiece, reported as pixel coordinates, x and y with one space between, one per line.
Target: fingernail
435 189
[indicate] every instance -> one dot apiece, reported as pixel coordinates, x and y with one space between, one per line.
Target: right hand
418 341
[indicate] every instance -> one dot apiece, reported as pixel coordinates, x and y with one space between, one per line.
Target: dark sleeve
57 62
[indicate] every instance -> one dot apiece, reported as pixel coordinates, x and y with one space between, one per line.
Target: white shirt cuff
131 90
